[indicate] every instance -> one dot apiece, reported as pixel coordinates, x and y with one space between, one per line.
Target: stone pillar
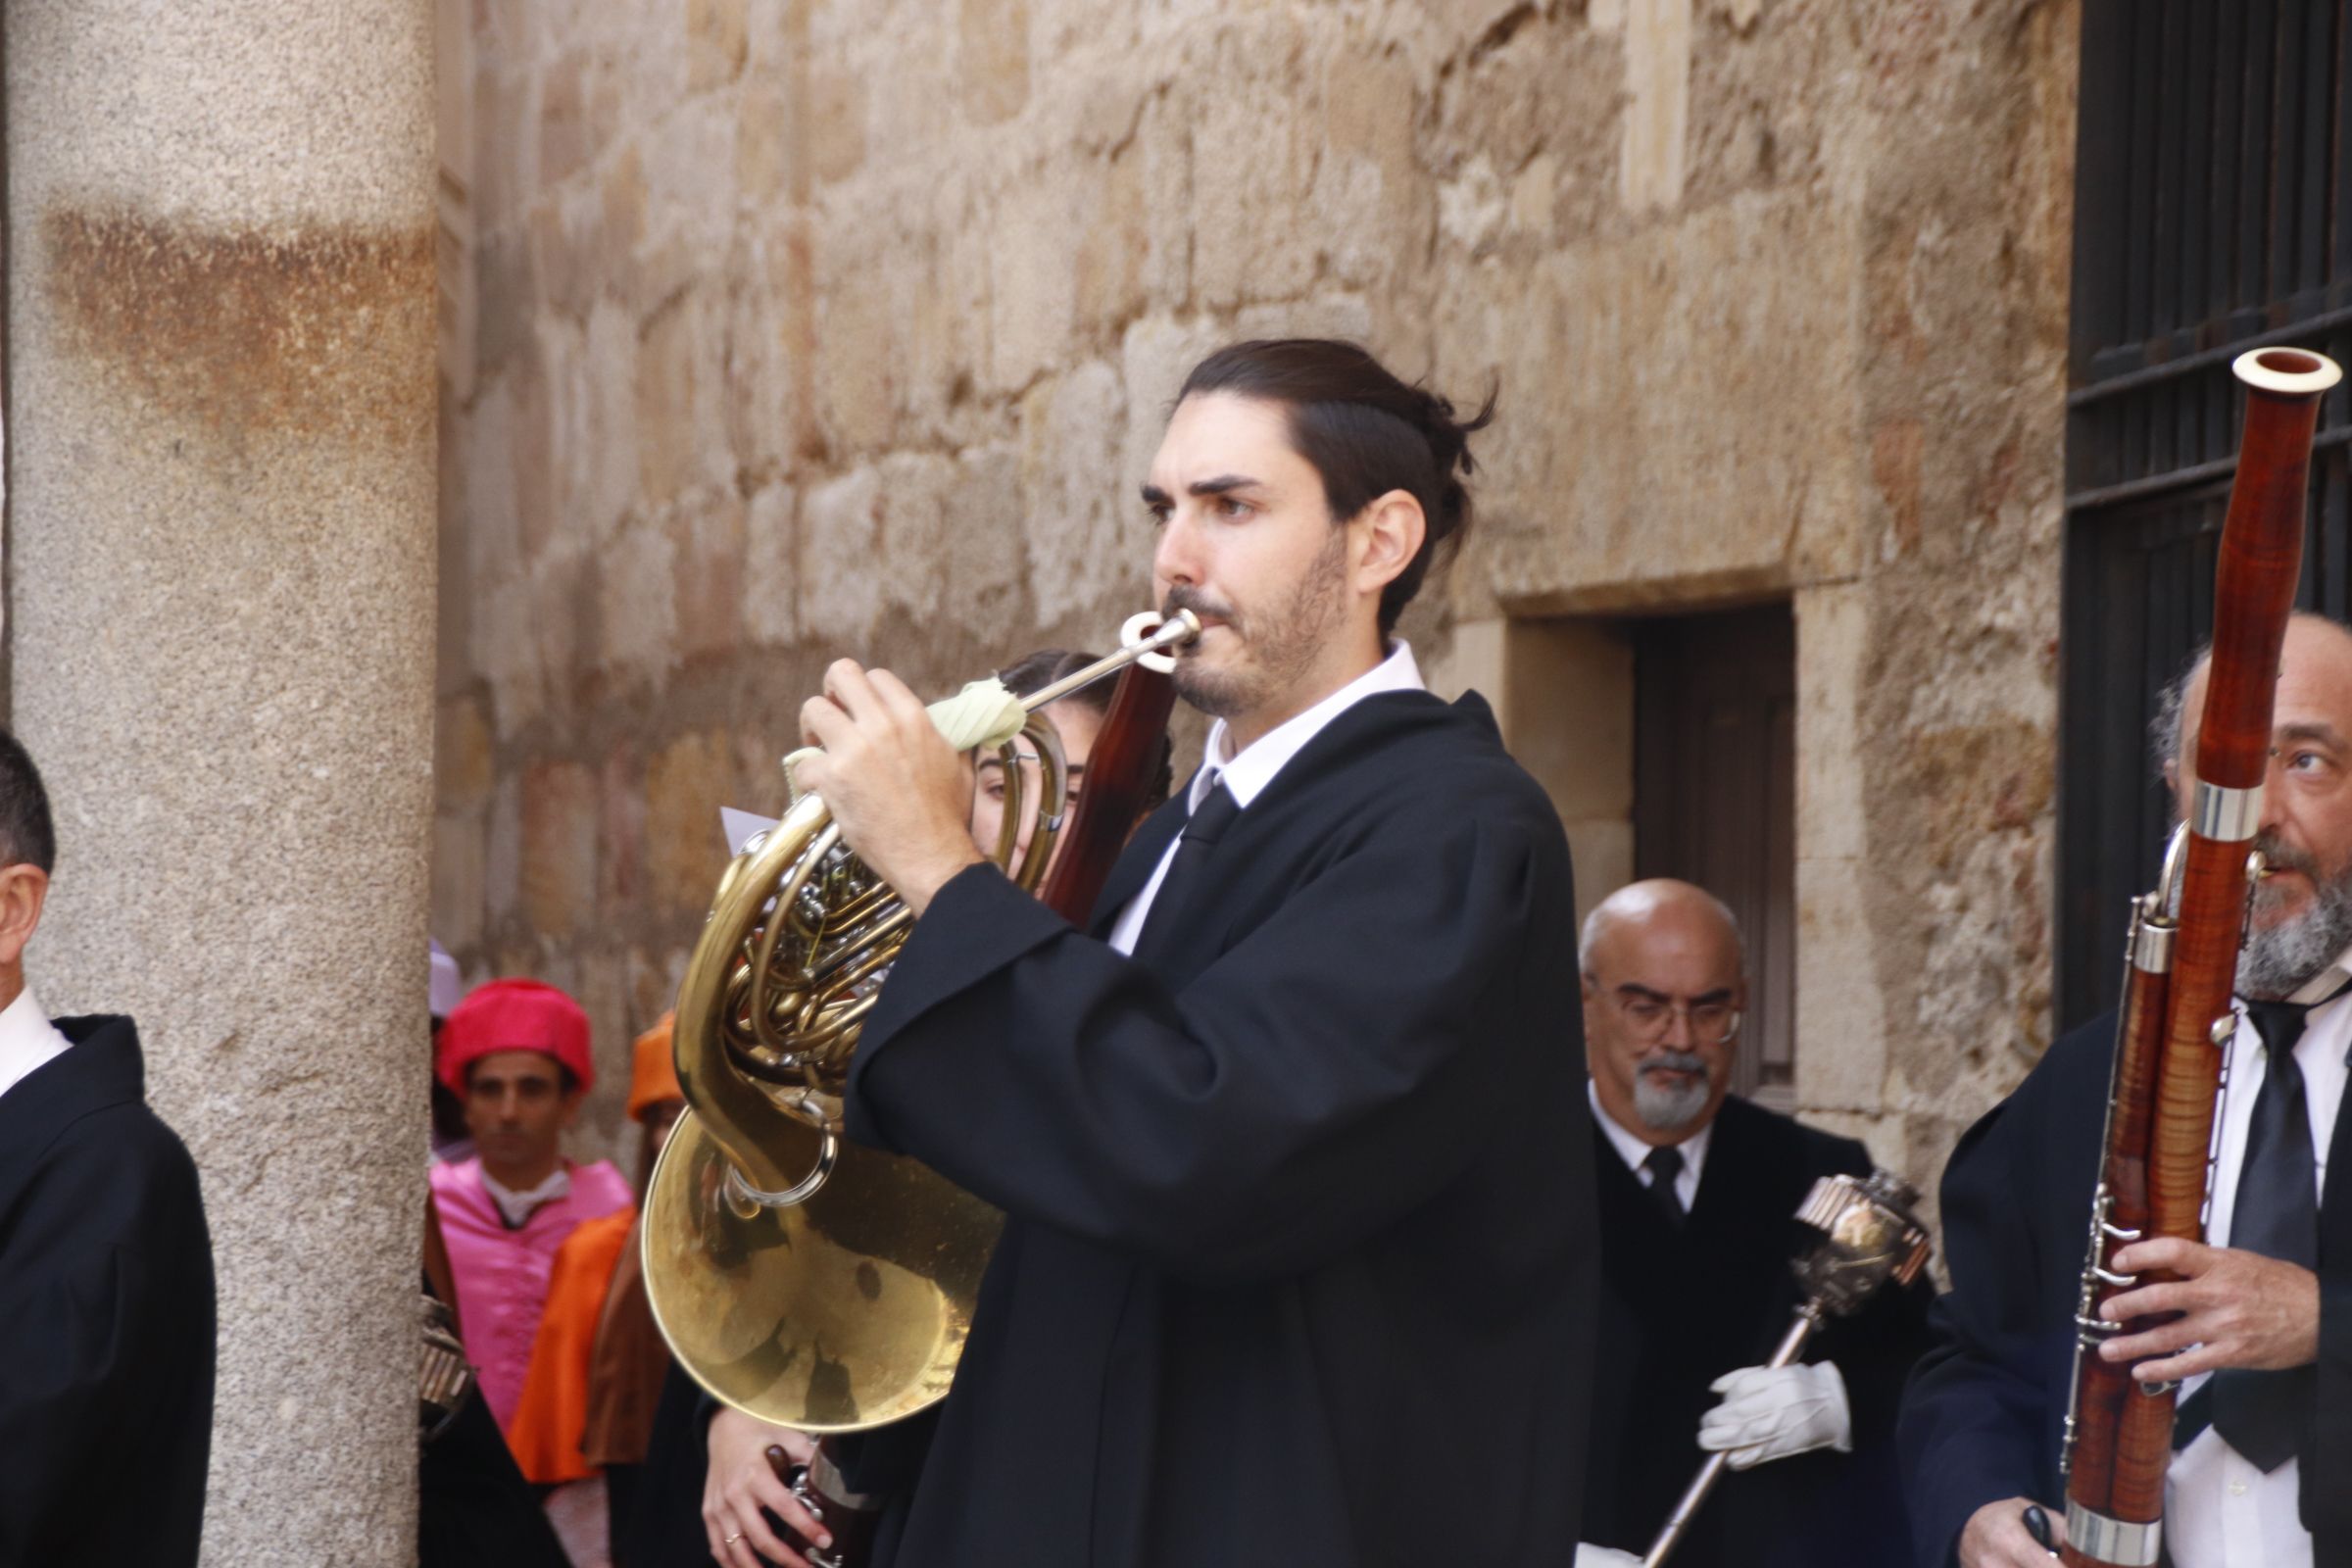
220 560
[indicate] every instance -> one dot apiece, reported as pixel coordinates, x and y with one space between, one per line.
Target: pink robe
501 1274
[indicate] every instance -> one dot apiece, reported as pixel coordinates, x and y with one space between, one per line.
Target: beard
1662 1108
1279 645
2279 958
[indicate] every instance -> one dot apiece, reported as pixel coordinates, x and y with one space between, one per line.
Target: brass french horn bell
797 1277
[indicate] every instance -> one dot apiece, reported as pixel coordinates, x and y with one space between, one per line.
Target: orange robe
553 1411
627 1368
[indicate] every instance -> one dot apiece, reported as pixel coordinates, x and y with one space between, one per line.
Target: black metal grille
2213 213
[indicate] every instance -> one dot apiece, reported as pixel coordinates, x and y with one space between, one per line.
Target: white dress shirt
28 1042
1634 1150
516 1207
2219 1512
1247 775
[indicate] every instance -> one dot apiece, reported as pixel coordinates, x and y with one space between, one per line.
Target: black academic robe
662 1524
1683 1307
1983 1414
473 1507
106 1317
1299 1259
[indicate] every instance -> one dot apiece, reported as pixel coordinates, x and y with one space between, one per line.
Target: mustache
2281 857
1183 596
1675 1061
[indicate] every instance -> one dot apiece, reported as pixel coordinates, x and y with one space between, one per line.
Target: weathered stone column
221 365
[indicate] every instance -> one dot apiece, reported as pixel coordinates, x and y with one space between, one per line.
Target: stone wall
775 332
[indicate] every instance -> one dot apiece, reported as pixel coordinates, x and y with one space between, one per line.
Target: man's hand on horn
903 798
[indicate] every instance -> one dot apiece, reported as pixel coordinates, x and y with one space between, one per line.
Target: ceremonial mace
1868 1239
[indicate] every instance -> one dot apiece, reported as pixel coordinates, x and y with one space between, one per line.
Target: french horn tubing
797 1277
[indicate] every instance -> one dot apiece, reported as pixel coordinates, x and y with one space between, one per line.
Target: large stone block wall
779 332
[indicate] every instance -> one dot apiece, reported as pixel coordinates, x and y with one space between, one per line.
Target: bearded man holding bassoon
2263 1437
1299 1259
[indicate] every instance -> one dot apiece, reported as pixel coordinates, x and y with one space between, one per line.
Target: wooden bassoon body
2177 1016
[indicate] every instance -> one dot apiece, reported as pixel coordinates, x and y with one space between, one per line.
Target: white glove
1771 1412
1589 1555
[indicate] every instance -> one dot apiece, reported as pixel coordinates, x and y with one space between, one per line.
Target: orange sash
552 1415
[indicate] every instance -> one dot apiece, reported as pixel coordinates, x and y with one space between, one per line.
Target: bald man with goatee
1698 1191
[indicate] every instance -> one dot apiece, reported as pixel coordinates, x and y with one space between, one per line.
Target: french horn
797 1277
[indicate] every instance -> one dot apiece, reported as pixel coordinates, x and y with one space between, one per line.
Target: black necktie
1664 1164
1178 889
2276 1214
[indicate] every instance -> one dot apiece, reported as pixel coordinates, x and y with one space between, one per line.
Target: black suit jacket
1683 1306
1300 1256
1985 1408
106 1317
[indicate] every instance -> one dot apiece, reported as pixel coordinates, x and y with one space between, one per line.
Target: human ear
24 889
1390 530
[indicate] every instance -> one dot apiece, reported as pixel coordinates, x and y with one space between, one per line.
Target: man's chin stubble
1219 697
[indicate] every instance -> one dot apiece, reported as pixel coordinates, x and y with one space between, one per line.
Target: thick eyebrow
2324 734
1644 994
1222 484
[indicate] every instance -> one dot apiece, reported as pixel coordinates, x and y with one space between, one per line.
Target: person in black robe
473 1507
1984 1413
105 1266
1298 1262
1698 1287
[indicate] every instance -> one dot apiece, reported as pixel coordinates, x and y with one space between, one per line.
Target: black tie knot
2280 1024
1211 818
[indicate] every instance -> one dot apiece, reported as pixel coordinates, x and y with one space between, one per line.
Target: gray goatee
1663 1108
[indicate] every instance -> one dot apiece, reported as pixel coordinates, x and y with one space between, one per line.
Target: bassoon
2181 969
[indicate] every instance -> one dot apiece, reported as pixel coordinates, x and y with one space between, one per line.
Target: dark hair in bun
1365 432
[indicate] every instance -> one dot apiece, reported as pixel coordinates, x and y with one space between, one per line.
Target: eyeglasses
1650 1019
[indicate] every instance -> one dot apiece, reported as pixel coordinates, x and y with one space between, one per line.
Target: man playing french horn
1299 1259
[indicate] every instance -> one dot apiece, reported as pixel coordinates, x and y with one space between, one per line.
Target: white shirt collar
516 1207
27 1039
1634 1150
2326 981
1247 776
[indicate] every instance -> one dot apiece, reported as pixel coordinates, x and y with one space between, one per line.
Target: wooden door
1715 801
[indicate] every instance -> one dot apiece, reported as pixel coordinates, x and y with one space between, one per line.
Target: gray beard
1665 1110
2279 960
